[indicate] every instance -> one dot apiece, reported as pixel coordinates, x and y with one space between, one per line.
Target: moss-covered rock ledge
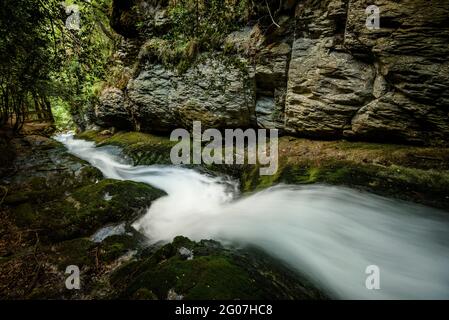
142 148
63 197
82 211
419 174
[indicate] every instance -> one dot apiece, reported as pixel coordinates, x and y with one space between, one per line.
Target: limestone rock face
217 94
387 84
271 82
410 51
325 89
318 72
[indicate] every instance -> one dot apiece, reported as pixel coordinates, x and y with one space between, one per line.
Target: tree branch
271 16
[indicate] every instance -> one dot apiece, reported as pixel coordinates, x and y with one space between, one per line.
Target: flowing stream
329 234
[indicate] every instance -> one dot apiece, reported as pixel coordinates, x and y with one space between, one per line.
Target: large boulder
62 197
187 270
217 92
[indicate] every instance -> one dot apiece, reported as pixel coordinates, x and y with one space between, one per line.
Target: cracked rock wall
321 74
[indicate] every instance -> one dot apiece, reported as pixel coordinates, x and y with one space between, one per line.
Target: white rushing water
330 234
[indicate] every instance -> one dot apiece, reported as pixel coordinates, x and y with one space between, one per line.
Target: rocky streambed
54 203
123 219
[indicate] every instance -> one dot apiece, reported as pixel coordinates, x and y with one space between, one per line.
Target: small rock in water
186 253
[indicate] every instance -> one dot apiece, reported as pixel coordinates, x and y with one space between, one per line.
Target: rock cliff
313 70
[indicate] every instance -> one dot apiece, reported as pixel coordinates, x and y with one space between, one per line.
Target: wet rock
214 273
85 209
111 111
121 247
219 95
54 201
63 197
44 171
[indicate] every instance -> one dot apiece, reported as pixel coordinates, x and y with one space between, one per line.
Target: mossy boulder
87 209
79 252
424 186
44 188
205 270
45 171
85 253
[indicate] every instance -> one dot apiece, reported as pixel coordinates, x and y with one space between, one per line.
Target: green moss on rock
419 174
142 148
116 246
211 272
87 209
79 252
418 185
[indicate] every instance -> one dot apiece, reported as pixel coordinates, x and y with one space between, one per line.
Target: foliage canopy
43 62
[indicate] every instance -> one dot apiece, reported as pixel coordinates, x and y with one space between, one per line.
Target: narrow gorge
92 93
